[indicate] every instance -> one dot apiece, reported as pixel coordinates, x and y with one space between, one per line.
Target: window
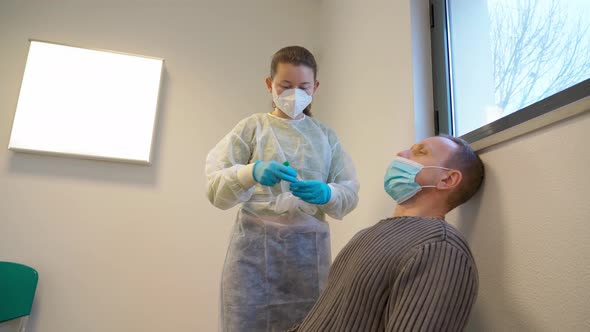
500 63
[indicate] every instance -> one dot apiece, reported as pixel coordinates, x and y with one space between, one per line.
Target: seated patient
411 272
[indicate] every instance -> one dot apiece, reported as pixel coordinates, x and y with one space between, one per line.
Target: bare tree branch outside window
538 49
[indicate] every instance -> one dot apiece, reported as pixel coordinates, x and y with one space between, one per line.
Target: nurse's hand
269 173
312 191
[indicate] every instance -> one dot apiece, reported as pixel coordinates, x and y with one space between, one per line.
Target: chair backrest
17 290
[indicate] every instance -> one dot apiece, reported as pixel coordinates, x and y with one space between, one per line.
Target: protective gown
279 254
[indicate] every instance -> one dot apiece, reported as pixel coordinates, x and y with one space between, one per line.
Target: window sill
560 114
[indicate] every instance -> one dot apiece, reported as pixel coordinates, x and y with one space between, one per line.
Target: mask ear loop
439 167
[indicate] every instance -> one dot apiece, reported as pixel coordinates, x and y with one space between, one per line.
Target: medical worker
287 170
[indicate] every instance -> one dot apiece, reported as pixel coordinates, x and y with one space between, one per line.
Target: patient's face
432 151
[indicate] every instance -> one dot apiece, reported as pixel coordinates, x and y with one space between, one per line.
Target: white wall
123 247
129 248
422 70
366 95
528 229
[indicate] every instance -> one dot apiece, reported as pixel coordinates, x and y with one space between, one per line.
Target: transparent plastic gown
279 253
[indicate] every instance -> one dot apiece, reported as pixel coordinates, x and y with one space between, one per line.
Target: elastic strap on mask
440 167
446 169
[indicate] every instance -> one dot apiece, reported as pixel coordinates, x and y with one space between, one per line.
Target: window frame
576 97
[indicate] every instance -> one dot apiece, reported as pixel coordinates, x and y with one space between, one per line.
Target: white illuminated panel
87 103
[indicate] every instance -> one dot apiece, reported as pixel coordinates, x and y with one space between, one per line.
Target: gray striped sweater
402 274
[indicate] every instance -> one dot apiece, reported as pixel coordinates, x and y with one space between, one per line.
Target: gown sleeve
224 161
342 180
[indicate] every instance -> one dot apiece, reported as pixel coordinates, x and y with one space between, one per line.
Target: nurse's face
290 76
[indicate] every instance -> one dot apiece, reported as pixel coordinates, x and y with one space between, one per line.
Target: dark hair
471 167
295 55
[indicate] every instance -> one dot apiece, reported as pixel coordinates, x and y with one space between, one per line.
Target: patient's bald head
453 153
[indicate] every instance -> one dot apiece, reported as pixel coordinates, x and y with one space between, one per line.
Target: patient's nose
403 154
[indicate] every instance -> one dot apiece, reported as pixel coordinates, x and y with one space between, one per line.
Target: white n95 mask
292 101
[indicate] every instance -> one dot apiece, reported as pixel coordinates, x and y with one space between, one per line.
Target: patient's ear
450 181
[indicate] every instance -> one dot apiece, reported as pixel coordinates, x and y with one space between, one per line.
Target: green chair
17 290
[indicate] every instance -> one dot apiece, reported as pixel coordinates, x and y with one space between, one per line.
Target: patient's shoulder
455 238
359 234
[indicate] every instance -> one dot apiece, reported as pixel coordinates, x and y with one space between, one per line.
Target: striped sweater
402 274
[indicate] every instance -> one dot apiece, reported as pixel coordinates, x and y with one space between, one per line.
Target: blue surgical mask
400 179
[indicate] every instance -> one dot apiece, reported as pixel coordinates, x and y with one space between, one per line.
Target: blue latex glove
312 191
269 173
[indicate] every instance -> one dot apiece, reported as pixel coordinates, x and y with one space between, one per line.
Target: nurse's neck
279 114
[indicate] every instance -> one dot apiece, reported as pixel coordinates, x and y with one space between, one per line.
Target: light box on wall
87 103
